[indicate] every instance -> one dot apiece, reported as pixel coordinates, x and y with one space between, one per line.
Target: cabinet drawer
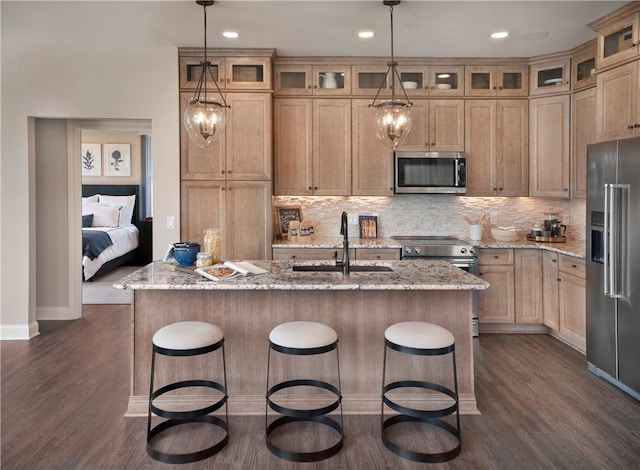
488 256
377 253
309 254
571 265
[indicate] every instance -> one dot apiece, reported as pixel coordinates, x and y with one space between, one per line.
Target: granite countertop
575 248
406 275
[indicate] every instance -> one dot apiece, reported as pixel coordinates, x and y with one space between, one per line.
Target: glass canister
212 244
203 259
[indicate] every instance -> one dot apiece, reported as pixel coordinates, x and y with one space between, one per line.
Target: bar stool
303 338
420 339
188 338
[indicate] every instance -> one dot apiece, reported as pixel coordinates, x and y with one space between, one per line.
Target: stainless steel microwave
430 172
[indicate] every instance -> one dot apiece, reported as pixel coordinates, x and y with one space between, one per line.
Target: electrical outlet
171 222
494 218
353 219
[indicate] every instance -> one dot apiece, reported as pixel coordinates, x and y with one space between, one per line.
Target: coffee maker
552 230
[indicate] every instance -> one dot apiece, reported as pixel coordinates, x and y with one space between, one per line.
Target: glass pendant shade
204 121
392 122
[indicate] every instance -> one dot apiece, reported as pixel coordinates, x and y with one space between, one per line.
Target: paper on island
230 269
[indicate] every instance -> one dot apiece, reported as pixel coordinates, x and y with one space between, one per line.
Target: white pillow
127 203
104 215
93 198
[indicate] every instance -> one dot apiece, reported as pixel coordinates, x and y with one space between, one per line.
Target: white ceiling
422 28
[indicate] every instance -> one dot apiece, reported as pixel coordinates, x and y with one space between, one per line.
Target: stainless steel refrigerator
613 262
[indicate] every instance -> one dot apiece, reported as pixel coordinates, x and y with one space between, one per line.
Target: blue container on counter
185 253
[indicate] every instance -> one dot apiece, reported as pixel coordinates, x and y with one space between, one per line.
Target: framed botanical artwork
91 160
285 215
368 226
117 159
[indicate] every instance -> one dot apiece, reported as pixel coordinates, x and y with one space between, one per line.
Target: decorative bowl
410 85
186 253
505 235
443 86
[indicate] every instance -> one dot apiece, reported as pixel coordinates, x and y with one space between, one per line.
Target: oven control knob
463 250
407 250
417 250
472 250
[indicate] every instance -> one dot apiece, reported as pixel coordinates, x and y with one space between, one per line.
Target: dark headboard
116 190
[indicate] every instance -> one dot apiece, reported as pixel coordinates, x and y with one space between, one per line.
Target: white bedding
124 239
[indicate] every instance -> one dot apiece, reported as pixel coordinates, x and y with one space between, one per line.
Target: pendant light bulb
393 124
204 121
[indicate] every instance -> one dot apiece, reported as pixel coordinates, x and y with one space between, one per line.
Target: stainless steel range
458 252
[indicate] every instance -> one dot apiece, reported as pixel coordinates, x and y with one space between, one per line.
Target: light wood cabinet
550 290
583 67
528 286
564 297
377 254
515 294
550 77
318 163
234 73
433 80
310 254
438 125
372 163
241 210
549 146
243 152
583 133
618 41
318 80
367 80
497 146
617 103
497 304
496 80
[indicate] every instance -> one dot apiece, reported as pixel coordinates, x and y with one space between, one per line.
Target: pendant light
205 118
392 118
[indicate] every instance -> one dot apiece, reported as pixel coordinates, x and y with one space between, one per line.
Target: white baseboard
19 332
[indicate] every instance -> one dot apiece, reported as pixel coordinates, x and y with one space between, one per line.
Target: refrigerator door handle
617 240
606 238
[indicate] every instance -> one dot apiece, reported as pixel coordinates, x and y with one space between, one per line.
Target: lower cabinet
311 254
565 298
515 295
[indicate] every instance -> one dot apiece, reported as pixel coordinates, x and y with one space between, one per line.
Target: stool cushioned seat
187 335
303 335
419 335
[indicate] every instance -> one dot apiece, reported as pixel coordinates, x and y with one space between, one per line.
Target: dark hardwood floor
64 394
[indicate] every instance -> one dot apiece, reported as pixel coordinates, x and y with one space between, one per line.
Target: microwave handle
457 175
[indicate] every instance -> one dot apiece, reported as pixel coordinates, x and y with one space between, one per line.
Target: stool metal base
310 456
168 457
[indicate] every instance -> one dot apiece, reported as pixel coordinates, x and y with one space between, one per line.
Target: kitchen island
359 307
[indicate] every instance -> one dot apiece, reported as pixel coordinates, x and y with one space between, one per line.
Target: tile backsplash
435 215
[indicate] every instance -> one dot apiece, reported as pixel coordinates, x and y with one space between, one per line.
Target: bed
110 232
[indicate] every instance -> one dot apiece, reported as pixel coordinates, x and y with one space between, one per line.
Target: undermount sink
337 268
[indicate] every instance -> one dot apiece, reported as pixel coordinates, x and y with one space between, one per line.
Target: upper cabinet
583 66
617 103
438 125
583 133
549 146
618 42
496 80
433 80
368 79
550 77
306 80
230 69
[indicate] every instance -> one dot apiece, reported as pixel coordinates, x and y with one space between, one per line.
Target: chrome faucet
344 230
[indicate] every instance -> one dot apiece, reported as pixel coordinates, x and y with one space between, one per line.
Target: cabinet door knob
553 260
574 265
315 188
630 126
636 125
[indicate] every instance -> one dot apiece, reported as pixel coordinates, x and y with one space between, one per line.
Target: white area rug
101 291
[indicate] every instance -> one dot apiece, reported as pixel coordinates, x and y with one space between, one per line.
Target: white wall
91 136
42 77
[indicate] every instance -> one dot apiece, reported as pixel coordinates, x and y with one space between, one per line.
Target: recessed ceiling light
365 34
499 35
230 34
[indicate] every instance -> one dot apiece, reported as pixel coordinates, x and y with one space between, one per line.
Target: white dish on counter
505 234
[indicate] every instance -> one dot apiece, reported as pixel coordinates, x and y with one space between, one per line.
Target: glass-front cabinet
550 77
368 79
618 42
320 80
583 69
239 73
496 80
447 80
